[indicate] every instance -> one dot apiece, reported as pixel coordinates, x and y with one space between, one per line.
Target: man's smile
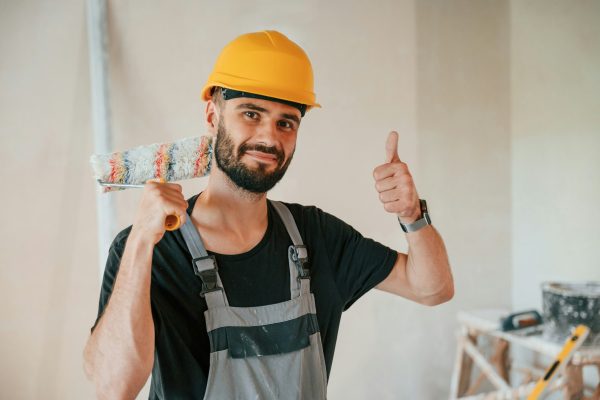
262 157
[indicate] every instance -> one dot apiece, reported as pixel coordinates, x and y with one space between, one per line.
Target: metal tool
524 322
121 185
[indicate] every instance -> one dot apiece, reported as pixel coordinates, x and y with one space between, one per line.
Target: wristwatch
421 222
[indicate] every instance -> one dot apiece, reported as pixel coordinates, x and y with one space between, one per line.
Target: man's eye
286 124
251 114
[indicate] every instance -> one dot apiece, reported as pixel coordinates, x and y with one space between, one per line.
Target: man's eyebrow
292 117
254 107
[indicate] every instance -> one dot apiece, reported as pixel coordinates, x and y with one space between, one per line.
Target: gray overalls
265 352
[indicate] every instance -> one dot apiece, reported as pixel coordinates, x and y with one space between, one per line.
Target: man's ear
212 118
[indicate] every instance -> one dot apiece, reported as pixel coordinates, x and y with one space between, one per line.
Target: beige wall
463 123
453 77
47 271
555 144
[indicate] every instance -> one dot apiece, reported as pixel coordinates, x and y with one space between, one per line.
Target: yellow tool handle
172 221
572 343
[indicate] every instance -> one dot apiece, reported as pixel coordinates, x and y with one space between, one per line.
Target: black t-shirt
344 266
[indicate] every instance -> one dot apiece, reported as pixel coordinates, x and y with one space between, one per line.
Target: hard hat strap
232 94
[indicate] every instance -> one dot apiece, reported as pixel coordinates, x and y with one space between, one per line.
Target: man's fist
395 185
159 201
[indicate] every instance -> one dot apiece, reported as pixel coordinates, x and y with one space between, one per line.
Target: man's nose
267 133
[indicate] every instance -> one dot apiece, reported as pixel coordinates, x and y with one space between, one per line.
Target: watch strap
420 223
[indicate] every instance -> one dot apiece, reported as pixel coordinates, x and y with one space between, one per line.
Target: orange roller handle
173 221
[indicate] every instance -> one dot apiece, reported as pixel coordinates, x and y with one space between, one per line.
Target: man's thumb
391 147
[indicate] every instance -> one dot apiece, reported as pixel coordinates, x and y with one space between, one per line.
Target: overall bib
265 352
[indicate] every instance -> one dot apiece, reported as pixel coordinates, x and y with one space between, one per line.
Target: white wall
555 144
451 77
47 251
464 160
555 103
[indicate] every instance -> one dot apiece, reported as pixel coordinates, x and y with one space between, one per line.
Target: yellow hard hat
264 63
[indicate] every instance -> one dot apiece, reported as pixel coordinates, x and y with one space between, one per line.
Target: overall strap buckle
208 276
299 255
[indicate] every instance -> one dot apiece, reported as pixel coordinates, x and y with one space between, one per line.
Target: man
245 300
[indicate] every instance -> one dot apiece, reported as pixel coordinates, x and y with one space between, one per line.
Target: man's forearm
427 267
424 273
120 352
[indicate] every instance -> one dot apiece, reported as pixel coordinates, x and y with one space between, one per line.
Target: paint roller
162 162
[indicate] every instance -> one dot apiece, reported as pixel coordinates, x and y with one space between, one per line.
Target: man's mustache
262 148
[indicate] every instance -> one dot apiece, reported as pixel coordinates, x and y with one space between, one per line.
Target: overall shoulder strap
205 266
297 253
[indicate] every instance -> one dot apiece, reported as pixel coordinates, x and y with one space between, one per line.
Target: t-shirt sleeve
115 253
359 263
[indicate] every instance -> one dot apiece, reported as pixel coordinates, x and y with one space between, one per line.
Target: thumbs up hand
395 185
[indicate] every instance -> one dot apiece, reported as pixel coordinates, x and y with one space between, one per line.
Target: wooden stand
477 324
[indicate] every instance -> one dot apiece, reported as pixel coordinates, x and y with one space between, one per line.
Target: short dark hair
216 95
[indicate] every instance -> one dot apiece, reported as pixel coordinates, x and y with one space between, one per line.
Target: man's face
256 140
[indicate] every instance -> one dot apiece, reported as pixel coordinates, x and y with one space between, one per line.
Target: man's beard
254 180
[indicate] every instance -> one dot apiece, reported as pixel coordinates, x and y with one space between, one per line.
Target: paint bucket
567 305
